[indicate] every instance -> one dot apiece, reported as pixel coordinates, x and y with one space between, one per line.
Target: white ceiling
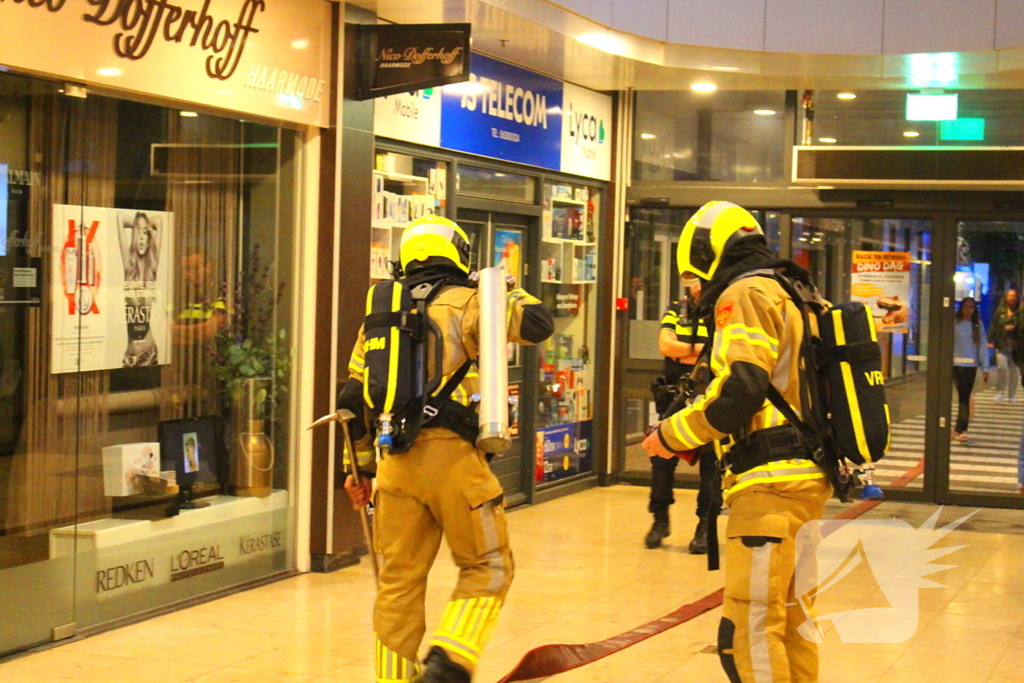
545 37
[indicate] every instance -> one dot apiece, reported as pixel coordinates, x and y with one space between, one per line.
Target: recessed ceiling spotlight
765 112
704 87
910 134
109 72
188 114
827 141
847 96
647 136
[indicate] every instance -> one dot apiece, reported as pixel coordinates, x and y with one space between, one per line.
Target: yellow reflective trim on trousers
851 390
448 643
771 480
396 305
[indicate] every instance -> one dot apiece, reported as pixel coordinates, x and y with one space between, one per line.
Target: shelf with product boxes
568 252
398 200
566 393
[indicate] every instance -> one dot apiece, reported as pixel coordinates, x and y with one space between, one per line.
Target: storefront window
984 118
734 136
405 188
568 276
145 347
492 184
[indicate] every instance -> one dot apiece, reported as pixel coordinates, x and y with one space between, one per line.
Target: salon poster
881 279
111 288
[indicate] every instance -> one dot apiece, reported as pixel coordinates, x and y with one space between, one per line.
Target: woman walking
969 354
1002 338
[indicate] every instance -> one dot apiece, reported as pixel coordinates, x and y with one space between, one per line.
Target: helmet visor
702 255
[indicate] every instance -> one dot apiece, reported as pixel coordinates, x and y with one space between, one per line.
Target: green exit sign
962 129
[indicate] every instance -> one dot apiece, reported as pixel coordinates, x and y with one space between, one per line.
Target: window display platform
104 533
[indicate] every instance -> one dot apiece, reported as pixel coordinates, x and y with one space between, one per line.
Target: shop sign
265 57
563 451
507 112
397 58
196 561
123 575
881 280
586 133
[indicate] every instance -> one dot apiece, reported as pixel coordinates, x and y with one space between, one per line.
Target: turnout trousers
758 640
441 486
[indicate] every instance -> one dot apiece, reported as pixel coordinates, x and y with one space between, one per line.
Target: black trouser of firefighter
443 485
709 496
758 638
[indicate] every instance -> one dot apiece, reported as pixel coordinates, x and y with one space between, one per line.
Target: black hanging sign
398 58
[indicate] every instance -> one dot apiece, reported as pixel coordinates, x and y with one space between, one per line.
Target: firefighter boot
438 668
660 530
699 544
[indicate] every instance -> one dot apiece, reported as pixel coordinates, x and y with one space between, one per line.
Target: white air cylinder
493 362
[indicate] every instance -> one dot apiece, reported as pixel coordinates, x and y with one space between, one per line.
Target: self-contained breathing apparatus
845 417
398 333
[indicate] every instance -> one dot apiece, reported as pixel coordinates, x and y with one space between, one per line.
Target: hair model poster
111 288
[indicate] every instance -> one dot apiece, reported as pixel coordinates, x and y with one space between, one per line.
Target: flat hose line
549 660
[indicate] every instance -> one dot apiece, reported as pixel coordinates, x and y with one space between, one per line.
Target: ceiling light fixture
109 72
765 112
828 141
910 134
188 114
847 96
647 136
704 87
300 44
726 68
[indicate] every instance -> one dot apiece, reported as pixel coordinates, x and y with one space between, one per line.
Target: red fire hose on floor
549 660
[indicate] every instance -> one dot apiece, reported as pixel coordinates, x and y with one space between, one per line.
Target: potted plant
251 363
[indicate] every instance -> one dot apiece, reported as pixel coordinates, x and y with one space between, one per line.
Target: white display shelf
552 282
402 177
574 202
104 533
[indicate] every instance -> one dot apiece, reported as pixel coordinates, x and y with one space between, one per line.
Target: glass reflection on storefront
145 356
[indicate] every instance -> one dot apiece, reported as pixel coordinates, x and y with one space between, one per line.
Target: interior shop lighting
847 96
300 44
465 88
109 72
921 107
765 112
647 136
828 141
910 134
704 87
188 114
726 68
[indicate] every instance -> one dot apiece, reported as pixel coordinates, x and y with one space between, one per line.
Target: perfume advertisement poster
111 284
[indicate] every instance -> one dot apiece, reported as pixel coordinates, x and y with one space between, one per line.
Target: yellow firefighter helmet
435 238
709 233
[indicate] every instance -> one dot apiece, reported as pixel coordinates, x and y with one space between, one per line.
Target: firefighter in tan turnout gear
436 482
772 487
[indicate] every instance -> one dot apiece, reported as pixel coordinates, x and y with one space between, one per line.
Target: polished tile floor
583 575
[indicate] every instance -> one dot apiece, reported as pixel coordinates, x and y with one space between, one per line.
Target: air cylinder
493 362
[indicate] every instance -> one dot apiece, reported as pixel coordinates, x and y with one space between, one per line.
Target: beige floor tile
250 640
287 625
59 662
237 675
333 646
156 670
294 662
362 670
8 675
204 651
115 644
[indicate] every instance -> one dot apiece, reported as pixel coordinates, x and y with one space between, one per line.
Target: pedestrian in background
1003 338
969 354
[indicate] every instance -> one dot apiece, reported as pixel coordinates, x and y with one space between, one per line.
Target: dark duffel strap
384 319
847 353
765 446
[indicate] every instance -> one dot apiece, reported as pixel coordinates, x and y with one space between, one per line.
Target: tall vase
252 466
